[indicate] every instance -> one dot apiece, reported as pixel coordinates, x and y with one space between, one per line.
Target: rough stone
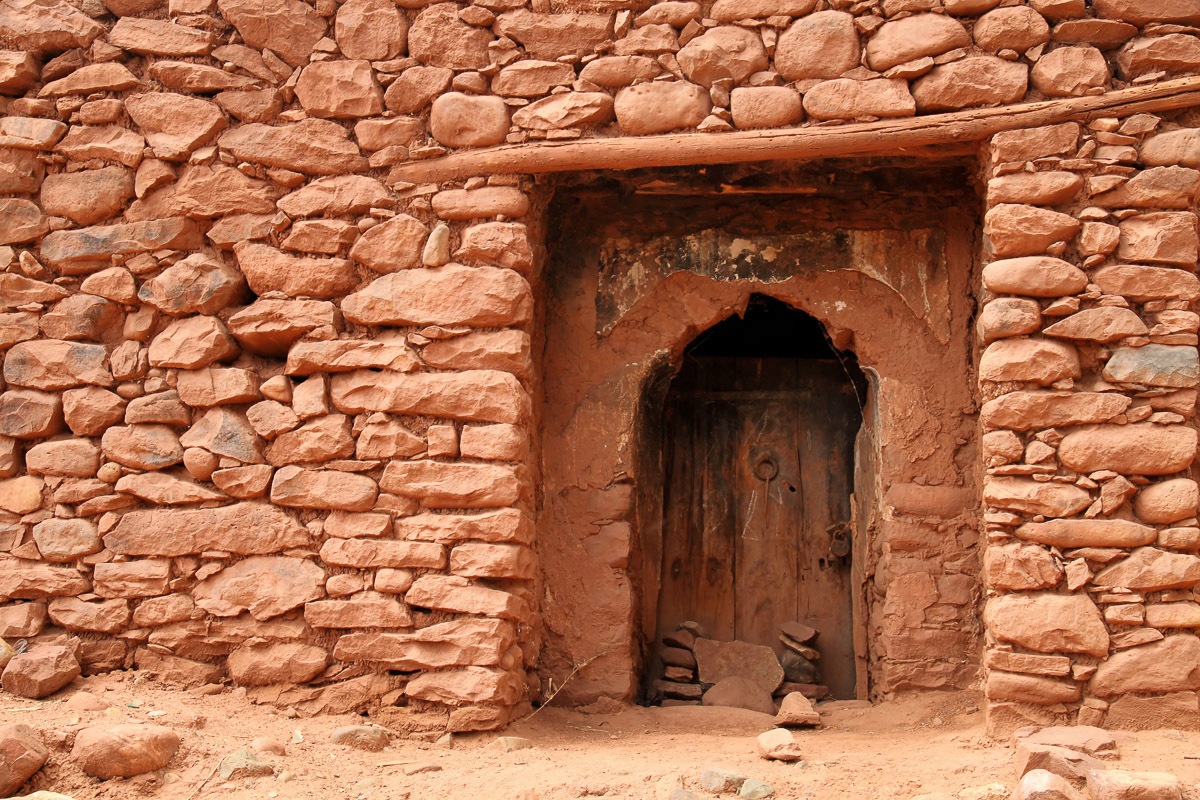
796 711
363 610
360 737
374 30
339 90
778 744
106 616
187 76
40 672
312 146
532 78
29 414
1070 533
33 580
844 98
168 490
391 246
615 72
658 107
1138 449
1039 784
243 528
22 754
1036 188
1155 365
65 540
554 35
468 685
725 52
276 663
143 578
821 45
1104 324
488 201
1168 501
1173 53
372 553
566 110
300 488
717 660
123 751
483 560
269 327
1020 567
270 270
174 125
1171 664
1048 623
287 27
765 107
1033 410
76 251
459 595
974 81
1034 689
142 446
460 120
461 642
449 295
444 485
1014 28
1184 11
194 285
266 586
1023 230
336 195
738 692
438 38
91 78
1036 360
89 196
910 38
1178 147
52 364
414 88
1161 237
1150 569
224 433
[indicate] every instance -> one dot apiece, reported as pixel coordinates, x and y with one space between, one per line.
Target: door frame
865 506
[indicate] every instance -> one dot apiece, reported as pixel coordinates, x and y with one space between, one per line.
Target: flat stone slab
719 660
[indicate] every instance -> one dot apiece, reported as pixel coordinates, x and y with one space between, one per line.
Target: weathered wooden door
759 469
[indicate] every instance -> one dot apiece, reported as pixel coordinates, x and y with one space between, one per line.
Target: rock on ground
122 751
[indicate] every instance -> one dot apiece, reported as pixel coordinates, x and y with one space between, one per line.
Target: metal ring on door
765 468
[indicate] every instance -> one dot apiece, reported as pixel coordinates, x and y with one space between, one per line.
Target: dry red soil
898 749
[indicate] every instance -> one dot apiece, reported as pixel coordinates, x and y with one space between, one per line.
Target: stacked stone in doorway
698 670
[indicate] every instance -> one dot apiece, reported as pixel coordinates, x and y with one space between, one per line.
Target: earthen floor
899 749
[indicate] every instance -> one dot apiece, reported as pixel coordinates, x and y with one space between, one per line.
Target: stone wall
1089 373
267 413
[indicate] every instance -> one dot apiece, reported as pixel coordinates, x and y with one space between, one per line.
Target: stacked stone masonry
269 414
1088 377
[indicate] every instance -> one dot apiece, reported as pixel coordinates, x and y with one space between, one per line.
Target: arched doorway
759 428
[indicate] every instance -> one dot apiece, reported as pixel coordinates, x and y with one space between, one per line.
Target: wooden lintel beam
886 137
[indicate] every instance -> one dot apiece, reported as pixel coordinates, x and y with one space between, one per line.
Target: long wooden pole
886 137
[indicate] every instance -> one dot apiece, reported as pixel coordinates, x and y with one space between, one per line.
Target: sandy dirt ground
933 743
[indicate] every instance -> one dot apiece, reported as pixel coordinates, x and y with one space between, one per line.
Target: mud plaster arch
628 292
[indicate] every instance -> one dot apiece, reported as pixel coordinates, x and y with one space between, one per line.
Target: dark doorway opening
759 430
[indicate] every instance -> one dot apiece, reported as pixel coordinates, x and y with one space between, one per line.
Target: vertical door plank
768 521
